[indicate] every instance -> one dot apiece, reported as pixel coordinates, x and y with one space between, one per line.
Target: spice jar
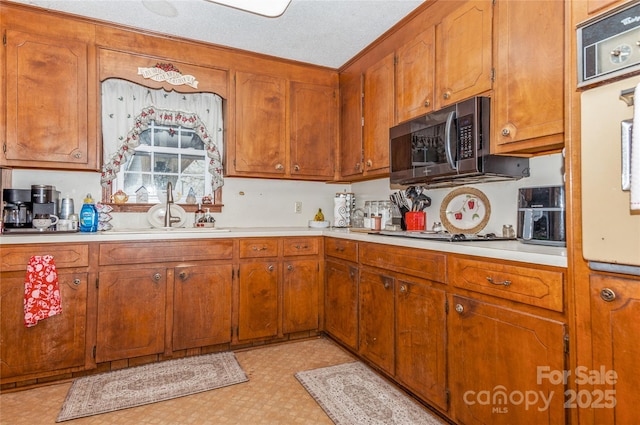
508 232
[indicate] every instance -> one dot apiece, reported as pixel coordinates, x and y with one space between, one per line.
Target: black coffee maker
22 205
18 210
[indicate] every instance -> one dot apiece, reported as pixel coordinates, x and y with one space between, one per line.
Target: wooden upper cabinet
415 68
463 53
350 126
259 148
528 98
379 113
48 102
314 131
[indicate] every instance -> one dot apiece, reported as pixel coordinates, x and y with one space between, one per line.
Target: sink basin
148 230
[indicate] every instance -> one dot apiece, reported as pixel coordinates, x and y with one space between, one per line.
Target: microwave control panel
465 141
609 45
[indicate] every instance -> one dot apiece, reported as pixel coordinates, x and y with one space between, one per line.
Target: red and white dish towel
41 290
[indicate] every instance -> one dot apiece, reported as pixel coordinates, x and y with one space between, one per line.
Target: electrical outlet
298 207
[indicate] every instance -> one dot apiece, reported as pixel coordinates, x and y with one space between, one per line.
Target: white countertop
504 250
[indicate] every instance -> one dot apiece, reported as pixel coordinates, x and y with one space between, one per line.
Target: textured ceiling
321 32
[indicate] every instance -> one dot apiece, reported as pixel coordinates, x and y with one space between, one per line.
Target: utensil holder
415 220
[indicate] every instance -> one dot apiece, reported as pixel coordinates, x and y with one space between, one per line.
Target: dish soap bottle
88 215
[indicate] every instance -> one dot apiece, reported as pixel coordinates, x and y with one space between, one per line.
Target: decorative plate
156 213
465 210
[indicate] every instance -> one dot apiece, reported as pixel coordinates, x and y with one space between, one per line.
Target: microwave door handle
450 140
627 128
527 224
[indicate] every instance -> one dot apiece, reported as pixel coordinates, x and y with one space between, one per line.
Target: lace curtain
128 108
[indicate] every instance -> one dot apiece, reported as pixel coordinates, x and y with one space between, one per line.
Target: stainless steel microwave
450 147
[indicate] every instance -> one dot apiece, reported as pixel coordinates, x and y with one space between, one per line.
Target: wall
270 203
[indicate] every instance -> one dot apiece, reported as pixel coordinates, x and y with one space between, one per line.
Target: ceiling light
269 8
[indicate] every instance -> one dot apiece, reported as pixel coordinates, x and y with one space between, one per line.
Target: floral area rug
107 392
353 394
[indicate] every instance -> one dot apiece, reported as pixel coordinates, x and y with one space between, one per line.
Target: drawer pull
289 267
459 308
403 288
302 247
183 275
503 283
339 249
263 248
157 277
270 268
608 295
76 281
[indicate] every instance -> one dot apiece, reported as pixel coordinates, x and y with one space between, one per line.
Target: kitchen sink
147 230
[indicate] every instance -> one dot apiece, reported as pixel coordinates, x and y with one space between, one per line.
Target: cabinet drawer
256 248
16 258
157 252
300 246
413 261
530 285
341 248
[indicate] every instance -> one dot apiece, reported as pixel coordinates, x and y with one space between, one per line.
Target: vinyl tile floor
272 396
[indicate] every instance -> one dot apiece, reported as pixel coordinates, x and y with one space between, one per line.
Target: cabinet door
314 131
376 323
379 112
341 302
260 144
421 362
258 310
202 306
495 359
463 64
415 69
47 106
528 91
615 308
300 296
351 126
57 342
131 313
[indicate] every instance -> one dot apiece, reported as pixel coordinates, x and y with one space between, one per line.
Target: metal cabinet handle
296 167
446 95
279 167
459 308
403 288
289 267
387 283
262 248
503 283
157 277
352 272
357 167
369 163
340 249
506 132
270 268
78 155
427 103
302 246
183 275
76 281
607 295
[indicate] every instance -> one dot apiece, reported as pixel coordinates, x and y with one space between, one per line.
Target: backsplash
271 203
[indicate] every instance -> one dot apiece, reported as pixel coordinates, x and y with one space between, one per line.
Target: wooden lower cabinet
55 343
615 308
131 313
376 319
499 360
258 308
421 340
300 293
341 301
201 305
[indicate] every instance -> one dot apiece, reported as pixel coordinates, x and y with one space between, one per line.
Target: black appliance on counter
541 215
22 205
450 147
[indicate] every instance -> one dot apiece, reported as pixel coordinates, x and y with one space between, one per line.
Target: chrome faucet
168 219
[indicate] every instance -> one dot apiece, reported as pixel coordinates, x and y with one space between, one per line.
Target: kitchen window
152 136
